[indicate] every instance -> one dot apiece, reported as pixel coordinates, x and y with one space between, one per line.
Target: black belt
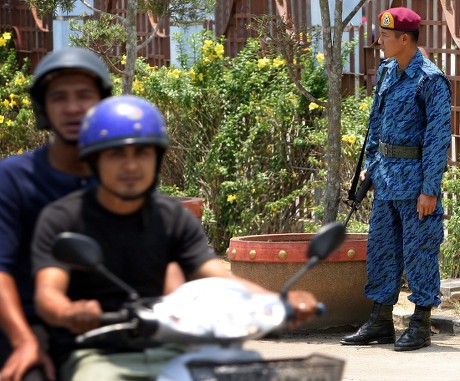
401 152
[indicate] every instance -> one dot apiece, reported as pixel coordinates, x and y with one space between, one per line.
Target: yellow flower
19 80
6 36
200 77
231 198
212 56
293 98
12 104
20 151
123 59
363 106
2 42
6 103
349 139
277 62
192 74
25 101
2 118
9 123
262 62
320 57
219 49
175 73
206 45
138 86
313 106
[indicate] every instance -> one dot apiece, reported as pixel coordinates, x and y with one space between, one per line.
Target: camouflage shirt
411 108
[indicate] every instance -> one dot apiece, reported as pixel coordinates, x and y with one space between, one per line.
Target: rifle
358 198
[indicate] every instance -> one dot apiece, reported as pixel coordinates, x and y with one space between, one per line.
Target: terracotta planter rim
293 237
292 247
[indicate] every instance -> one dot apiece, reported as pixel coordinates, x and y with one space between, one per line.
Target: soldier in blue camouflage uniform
406 154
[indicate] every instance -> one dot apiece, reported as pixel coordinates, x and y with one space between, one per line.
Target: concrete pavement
440 361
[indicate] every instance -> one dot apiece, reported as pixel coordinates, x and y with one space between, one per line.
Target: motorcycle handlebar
114 317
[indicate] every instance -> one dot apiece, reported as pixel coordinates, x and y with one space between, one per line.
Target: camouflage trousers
398 241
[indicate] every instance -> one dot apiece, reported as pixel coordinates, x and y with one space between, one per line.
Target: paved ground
438 362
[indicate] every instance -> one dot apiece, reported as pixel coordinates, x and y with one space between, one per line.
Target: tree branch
97 10
355 10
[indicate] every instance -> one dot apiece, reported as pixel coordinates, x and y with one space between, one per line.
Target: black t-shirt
137 247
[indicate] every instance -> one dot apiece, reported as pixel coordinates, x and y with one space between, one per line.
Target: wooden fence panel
31 35
157 51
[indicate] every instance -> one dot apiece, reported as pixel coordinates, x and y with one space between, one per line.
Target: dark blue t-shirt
27 184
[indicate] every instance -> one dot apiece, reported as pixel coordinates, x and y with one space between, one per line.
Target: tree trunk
333 152
131 46
332 38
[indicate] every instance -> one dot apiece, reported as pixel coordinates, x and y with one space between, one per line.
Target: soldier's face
392 43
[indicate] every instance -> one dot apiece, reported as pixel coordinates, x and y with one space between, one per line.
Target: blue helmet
119 121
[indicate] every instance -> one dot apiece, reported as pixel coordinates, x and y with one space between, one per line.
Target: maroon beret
402 19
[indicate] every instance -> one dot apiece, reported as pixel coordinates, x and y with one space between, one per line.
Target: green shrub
450 248
17 121
244 139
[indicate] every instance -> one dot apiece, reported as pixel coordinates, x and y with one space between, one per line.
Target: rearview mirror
327 240
78 250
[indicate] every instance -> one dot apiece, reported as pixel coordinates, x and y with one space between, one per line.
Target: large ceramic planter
338 281
194 204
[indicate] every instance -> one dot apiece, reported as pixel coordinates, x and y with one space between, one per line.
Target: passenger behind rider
66 84
123 140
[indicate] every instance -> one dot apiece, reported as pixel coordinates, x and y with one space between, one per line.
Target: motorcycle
214 317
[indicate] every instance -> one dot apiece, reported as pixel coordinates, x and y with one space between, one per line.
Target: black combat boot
379 328
418 334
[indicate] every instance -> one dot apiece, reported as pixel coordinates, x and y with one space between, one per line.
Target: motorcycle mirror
77 250
327 240
324 243
81 251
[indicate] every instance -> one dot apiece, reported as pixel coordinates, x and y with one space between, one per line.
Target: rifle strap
354 182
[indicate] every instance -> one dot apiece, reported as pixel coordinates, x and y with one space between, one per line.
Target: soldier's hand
426 204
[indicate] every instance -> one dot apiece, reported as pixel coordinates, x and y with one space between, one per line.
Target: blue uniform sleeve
373 137
437 138
372 142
